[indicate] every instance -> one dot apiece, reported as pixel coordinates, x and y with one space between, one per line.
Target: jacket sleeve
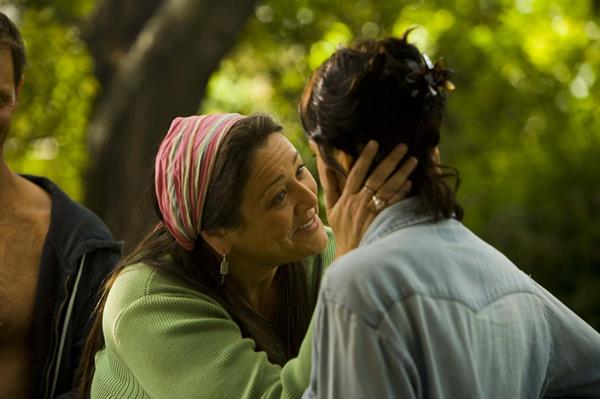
179 346
98 264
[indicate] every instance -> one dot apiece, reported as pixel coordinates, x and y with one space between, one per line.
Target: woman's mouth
307 224
307 228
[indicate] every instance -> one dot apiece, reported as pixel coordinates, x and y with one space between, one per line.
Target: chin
319 242
313 246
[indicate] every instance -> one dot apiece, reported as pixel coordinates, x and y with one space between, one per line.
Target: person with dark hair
423 308
54 254
216 301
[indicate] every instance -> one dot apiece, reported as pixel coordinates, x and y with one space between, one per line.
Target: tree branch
163 75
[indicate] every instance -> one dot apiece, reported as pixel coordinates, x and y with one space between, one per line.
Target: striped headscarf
184 166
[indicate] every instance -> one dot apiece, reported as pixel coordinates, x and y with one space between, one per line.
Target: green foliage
48 131
522 126
67 12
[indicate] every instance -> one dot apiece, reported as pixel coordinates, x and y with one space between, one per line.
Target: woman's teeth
304 226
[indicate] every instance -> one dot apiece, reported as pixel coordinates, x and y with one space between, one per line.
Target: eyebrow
280 177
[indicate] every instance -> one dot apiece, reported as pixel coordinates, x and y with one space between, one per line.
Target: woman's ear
218 240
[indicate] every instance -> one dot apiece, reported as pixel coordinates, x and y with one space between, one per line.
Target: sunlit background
523 125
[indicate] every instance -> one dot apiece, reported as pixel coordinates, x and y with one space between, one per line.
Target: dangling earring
224 269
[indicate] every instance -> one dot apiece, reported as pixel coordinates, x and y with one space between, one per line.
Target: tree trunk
162 75
112 30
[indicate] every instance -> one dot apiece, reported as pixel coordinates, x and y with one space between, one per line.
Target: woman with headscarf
217 300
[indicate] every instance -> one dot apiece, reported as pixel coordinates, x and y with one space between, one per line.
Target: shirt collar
400 215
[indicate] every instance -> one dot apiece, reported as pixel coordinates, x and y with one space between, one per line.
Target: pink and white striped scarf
183 169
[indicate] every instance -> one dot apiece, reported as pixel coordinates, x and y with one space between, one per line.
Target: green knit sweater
165 340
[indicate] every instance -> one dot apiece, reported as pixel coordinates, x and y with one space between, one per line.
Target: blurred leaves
66 12
522 126
47 136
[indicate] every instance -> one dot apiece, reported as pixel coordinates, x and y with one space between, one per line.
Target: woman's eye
278 199
300 171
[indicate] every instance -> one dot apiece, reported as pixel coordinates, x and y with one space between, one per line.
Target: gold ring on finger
376 204
368 189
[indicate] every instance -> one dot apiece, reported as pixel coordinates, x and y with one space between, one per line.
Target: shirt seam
401 224
550 365
385 342
386 309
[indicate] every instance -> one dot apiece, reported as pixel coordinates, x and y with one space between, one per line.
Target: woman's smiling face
279 209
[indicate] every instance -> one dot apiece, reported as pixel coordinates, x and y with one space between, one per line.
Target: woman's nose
307 198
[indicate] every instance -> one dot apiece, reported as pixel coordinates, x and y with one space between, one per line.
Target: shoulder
74 229
33 197
67 209
399 264
139 281
143 293
366 278
158 328
175 341
441 260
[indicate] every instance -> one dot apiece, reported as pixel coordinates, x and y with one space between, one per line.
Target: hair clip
427 61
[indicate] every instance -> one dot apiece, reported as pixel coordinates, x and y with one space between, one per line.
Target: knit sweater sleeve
165 341
178 346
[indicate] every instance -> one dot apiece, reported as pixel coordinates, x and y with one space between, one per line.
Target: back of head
387 91
11 38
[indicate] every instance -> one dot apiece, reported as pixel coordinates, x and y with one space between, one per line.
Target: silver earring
224 269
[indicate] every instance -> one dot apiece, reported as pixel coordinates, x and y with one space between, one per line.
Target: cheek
273 225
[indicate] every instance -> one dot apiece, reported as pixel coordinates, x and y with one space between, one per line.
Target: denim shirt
429 310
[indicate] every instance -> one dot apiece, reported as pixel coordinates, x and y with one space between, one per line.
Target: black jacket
78 254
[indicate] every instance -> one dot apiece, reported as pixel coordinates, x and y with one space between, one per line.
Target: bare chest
21 245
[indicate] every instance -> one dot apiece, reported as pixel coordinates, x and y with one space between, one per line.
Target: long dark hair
279 338
384 90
